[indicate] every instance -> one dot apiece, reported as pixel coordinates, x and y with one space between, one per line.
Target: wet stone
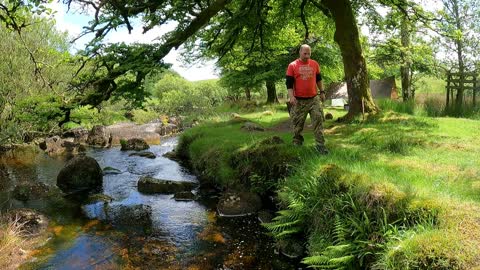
82 173
136 144
238 204
111 170
184 196
145 154
150 185
290 248
265 216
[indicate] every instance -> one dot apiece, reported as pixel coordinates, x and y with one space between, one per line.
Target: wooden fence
467 83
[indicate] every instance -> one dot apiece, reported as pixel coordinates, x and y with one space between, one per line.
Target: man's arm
321 92
289 82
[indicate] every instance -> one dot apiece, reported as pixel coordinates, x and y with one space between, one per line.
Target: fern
286 222
339 231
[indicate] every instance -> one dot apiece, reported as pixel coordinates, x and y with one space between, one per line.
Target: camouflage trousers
299 115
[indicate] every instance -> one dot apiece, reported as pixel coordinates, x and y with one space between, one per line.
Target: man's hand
322 96
293 100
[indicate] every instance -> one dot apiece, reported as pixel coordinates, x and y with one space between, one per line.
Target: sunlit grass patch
452 244
390 183
408 107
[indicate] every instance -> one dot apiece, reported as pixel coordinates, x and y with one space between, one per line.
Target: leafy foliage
175 95
366 218
32 93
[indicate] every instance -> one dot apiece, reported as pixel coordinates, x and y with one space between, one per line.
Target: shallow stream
183 234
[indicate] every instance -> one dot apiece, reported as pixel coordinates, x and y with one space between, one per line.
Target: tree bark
354 65
461 65
406 63
271 92
248 93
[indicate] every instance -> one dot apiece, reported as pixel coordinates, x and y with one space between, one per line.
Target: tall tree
354 65
266 40
112 14
193 15
400 44
34 73
459 27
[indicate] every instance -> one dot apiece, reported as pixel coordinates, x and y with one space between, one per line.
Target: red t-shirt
305 75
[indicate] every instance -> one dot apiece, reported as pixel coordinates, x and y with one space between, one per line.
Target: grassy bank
396 192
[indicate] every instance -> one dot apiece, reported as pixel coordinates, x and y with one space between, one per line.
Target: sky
72 22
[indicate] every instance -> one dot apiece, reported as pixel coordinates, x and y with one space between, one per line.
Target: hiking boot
321 149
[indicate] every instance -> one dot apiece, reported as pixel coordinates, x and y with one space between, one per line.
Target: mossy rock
150 185
137 144
333 179
184 196
172 155
82 173
99 197
145 154
260 166
290 248
237 204
30 191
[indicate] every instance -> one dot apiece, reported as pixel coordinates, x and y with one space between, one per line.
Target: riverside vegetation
399 190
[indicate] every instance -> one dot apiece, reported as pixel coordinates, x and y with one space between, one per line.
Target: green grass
395 182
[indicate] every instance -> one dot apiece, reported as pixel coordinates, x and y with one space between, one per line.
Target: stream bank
182 235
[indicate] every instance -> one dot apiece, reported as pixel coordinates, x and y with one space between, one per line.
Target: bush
175 95
107 115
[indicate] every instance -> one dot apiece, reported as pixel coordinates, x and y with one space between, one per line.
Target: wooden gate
468 83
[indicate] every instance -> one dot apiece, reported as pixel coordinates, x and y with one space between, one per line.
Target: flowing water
180 235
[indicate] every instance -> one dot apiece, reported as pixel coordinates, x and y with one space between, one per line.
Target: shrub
178 96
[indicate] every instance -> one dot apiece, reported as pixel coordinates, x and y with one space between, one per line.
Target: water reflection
180 235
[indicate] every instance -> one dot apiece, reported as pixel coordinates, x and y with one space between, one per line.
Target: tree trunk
354 65
461 65
405 67
248 94
271 92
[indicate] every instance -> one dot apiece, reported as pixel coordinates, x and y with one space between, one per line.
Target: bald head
305 52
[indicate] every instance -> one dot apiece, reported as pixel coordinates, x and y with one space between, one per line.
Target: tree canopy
239 33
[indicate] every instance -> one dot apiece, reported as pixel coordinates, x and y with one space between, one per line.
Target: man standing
303 78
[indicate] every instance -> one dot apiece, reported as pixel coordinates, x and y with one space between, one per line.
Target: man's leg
299 114
316 113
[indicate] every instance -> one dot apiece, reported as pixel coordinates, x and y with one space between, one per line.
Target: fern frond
344 261
337 250
288 232
315 261
340 230
287 215
277 227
